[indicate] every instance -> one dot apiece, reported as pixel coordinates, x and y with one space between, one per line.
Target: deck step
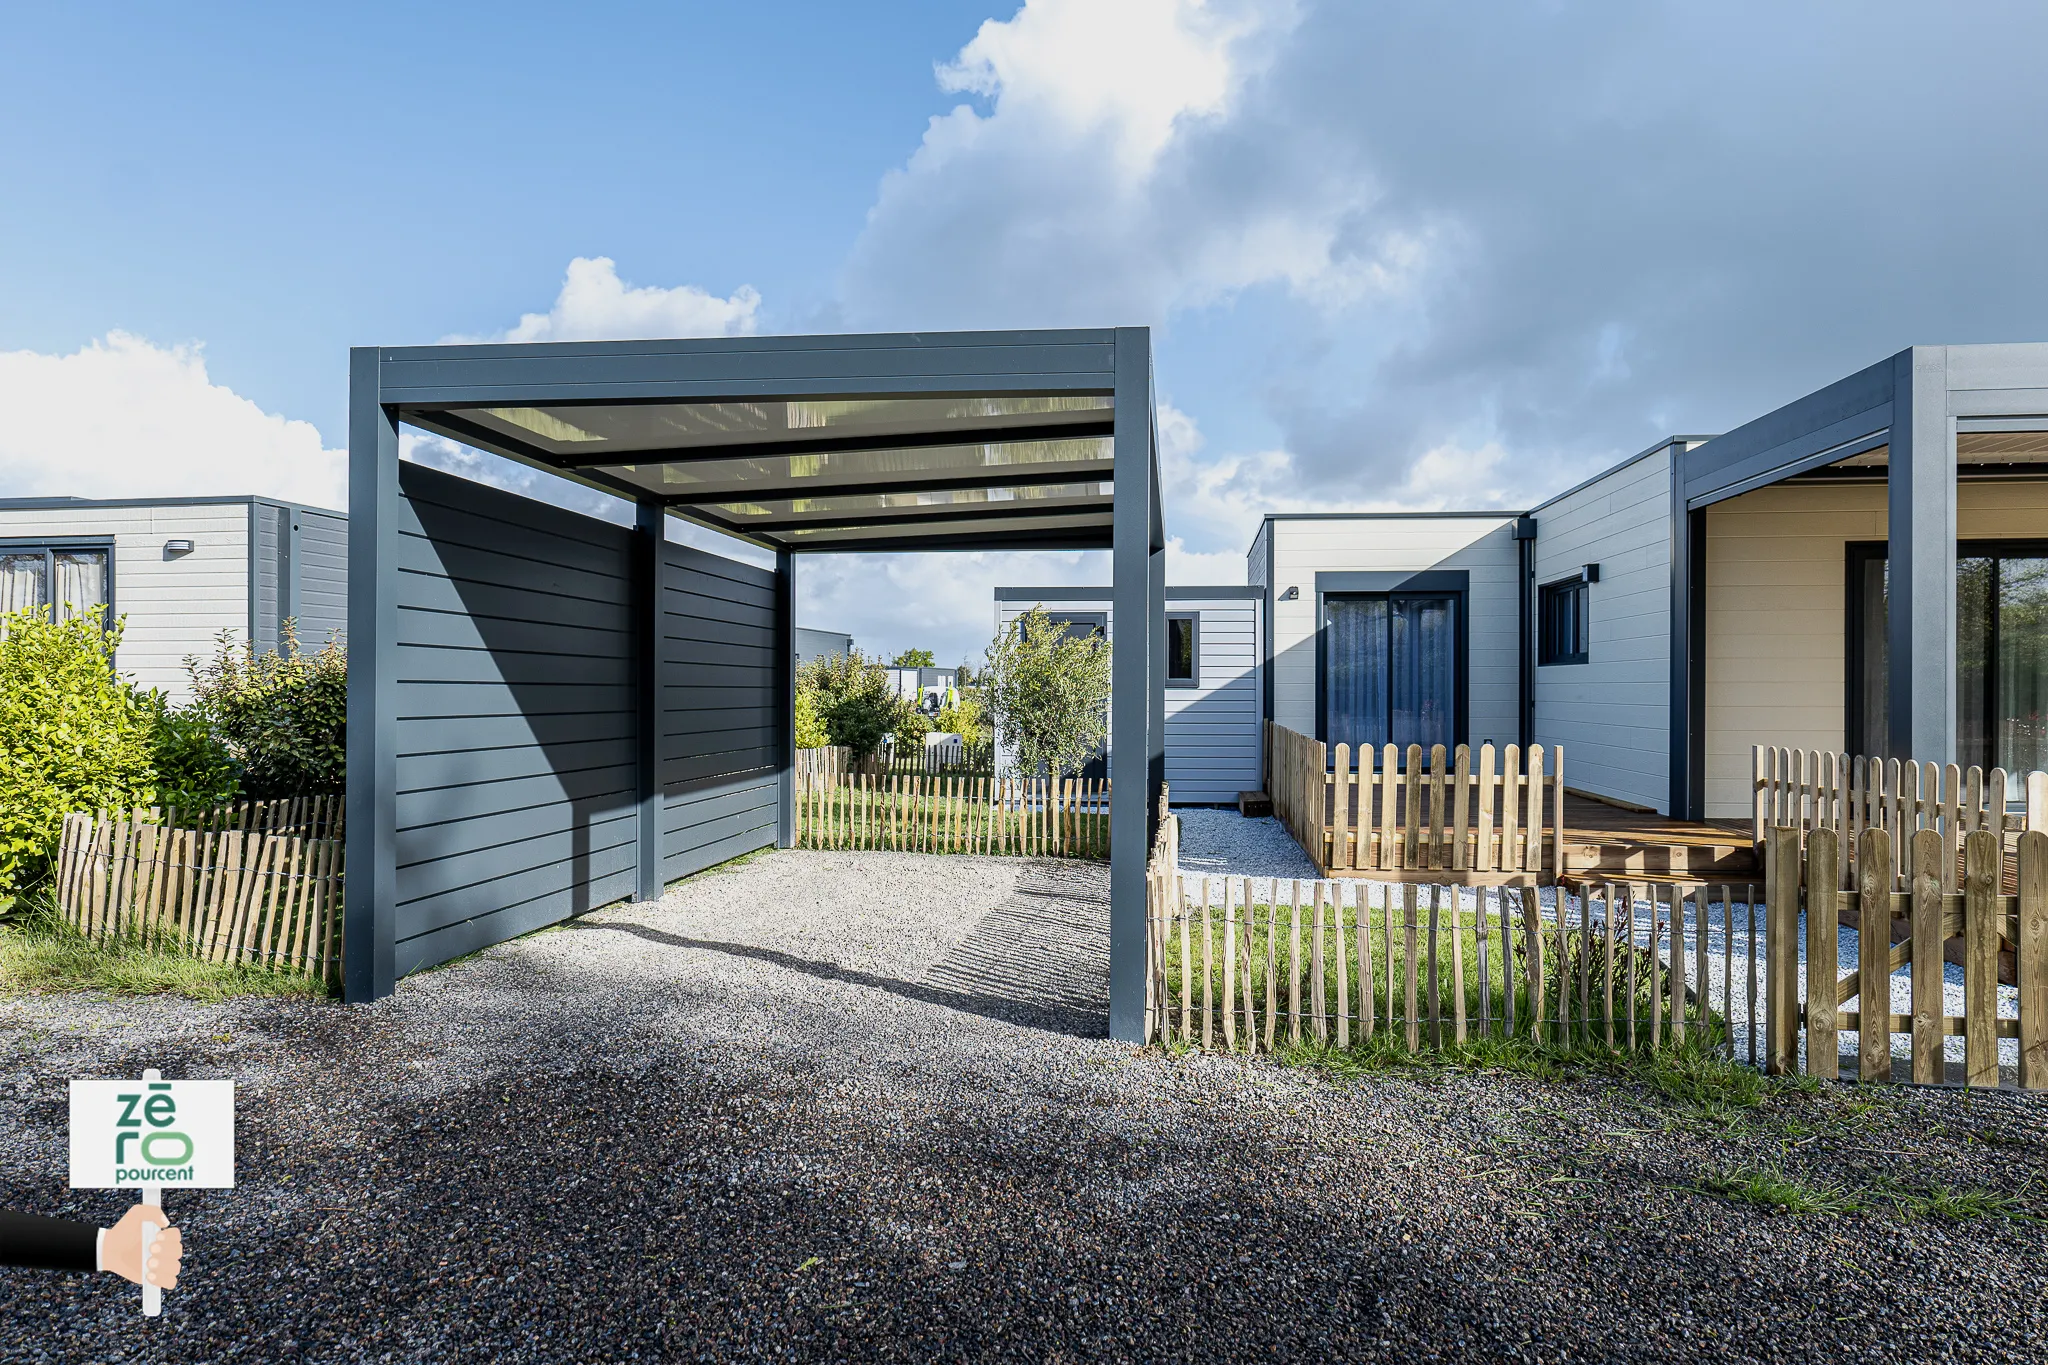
1692 861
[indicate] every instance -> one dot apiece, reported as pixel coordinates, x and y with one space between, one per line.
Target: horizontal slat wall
320 576
718 709
516 716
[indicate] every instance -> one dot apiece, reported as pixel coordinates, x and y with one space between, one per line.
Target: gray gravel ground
844 1107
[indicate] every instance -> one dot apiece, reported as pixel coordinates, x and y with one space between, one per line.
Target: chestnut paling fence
1917 925
1446 815
1251 964
937 813
258 882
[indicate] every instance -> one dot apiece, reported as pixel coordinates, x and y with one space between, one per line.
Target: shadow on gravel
987 1005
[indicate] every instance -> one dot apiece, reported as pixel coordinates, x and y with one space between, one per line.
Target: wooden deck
1605 841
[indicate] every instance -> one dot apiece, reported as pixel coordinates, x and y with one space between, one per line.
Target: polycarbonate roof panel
840 508
870 468
580 432
990 523
1972 447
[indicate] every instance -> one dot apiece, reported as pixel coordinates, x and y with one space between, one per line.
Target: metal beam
1070 538
1131 687
833 445
1005 476
650 533
1920 481
785 695
370 909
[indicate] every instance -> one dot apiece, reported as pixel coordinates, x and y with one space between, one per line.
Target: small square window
1183 649
1563 633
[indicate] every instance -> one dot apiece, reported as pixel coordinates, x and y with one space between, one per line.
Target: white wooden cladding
1807 789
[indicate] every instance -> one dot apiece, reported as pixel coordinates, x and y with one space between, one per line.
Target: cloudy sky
1396 254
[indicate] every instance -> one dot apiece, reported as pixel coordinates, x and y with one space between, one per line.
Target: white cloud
123 418
1122 170
596 305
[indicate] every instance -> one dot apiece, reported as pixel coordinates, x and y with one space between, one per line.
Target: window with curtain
1390 669
62 580
2001 663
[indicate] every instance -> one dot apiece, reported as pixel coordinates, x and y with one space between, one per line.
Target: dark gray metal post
650 525
1132 683
369 905
785 698
1921 613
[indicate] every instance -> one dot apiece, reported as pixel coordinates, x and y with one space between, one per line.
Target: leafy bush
853 700
1047 694
810 730
962 716
910 733
282 715
74 734
194 766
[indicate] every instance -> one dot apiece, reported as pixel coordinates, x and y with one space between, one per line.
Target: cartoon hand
122 1253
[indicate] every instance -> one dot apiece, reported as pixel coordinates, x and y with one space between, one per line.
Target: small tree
914 658
1047 694
854 700
810 729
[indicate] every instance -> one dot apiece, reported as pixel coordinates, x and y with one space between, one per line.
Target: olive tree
1046 691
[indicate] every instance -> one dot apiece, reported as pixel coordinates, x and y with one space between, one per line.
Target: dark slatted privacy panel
718 708
516 716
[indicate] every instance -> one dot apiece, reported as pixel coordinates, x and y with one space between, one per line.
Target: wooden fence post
1929 1012
1823 1046
2031 955
1781 948
1983 853
1873 954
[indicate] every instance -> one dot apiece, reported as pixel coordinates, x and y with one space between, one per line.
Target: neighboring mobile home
1214 679
179 571
1707 595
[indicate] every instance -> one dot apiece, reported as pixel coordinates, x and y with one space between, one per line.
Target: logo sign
129 1135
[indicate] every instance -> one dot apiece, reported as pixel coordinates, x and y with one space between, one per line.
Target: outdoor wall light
174 548
1291 595
1591 573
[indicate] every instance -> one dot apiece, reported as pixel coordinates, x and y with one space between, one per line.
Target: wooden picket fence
954 760
1332 962
254 882
2001 935
1807 789
1455 818
952 814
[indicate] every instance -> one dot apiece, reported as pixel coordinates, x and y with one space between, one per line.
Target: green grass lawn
1448 969
841 817
40 953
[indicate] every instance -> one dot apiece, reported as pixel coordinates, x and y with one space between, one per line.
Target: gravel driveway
848 1107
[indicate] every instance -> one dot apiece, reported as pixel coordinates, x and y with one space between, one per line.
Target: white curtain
21 581
81 582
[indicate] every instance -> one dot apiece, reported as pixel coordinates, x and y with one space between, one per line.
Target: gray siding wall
718 709
1613 713
517 767
271 523
319 589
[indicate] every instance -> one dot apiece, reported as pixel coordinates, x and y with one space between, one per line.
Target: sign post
149 1136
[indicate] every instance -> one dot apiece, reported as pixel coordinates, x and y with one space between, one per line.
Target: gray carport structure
548 712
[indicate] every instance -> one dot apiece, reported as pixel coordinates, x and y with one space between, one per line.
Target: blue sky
1396 254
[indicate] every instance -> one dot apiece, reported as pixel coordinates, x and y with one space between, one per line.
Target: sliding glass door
1390 669
2001 654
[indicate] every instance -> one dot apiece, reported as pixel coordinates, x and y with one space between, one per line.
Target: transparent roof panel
578 431
1972 447
985 524
990 501
778 474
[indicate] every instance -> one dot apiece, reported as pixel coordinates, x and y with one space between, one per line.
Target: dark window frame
50 546
1453 583
1548 595
1194 620
1857 556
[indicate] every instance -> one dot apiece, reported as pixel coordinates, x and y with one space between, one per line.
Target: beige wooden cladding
257 883
1809 789
1448 816
1333 962
931 813
1907 926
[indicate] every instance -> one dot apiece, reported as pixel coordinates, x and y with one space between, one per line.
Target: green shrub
74 734
282 715
910 733
853 700
963 717
194 766
810 730
1047 692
